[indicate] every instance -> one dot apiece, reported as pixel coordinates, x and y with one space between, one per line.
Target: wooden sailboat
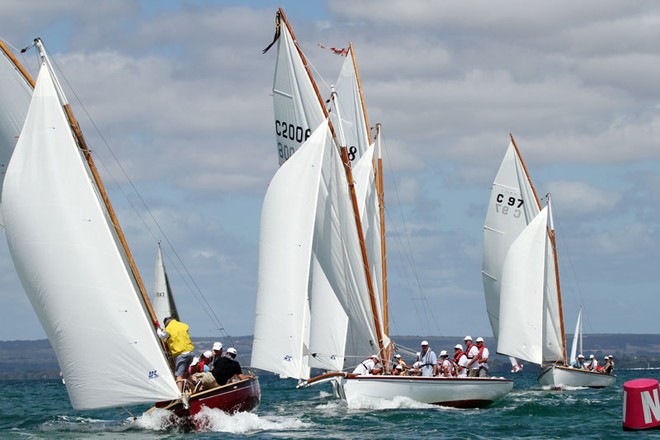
322 294
531 322
77 270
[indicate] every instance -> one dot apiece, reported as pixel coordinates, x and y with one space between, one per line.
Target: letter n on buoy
641 404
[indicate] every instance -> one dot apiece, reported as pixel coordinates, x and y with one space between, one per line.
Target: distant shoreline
35 359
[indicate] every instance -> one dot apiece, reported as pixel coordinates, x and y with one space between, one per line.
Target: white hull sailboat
77 270
446 391
530 317
322 294
561 376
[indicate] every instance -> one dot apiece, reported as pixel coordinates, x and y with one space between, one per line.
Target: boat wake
214 420
400 402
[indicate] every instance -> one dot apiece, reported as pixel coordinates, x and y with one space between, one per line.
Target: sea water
41 410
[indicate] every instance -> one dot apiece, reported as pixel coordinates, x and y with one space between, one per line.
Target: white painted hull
455 392
559 377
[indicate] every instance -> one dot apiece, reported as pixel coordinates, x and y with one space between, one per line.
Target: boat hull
446 391
558 376
240 396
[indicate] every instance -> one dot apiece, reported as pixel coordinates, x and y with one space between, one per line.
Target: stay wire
188 278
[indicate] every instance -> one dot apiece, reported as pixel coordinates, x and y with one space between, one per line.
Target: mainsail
352 112
72 266
298 106
163 300
513 204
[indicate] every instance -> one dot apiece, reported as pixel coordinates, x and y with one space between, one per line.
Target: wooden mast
522 162
383 248
359 85
378 170
17 64
82 144
551 234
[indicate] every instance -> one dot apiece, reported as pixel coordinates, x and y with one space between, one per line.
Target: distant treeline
25 360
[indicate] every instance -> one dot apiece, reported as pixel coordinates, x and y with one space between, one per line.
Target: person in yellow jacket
181 347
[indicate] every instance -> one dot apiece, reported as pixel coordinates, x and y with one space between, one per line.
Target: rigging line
207 309
409 255
567 256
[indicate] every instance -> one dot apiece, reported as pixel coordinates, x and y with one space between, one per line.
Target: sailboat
77 270
530 317
321 292
163 300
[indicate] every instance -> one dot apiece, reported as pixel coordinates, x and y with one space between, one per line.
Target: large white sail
16 92
281 331
298 109
67 257
163 300
530 325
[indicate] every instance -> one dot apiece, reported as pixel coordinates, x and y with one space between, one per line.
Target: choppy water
41 410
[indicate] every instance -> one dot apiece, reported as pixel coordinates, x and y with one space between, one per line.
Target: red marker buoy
641 404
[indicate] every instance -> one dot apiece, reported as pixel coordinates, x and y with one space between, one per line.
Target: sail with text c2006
297 106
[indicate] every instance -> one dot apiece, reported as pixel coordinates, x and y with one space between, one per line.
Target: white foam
242 423
154 420
214 420
398 402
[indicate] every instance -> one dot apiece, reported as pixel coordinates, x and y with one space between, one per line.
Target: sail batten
69 261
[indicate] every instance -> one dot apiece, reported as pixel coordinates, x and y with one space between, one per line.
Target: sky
175 100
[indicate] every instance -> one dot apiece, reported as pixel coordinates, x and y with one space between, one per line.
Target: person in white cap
471 351
482 358
228 369
200 373
609 365
217 354
445 365
460 361
428 361
578 362
367 366
399 362
593 363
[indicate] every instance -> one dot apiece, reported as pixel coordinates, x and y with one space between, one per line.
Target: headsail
72 267
163 300
530 322
285 247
